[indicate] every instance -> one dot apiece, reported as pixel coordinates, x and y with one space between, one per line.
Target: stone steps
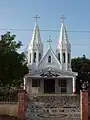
55 107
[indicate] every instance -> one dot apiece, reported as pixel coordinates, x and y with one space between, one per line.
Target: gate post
21 104
84 105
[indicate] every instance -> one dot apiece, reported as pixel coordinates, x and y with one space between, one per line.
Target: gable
45 63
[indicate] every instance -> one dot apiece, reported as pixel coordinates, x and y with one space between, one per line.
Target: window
63 90
34 60
30 57
63 85
49 59
35 83
39 56
63 57
59 57
68 58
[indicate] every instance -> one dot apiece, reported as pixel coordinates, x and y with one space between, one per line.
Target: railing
9 96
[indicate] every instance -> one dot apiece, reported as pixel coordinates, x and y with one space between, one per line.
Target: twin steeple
63 38
36 38
63 51
35 48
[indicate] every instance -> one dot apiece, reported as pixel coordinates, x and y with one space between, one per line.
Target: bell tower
35 48
63 51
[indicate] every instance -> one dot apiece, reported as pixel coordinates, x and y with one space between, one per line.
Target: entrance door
49 86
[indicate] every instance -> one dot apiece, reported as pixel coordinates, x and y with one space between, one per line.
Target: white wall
35 90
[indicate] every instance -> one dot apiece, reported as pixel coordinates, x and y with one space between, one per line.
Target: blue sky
19 14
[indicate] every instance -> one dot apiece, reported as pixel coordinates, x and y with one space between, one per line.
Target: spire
63 33
36 39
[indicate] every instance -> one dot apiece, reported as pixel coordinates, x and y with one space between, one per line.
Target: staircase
53 107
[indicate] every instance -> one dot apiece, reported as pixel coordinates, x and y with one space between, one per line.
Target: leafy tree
12 64
82 66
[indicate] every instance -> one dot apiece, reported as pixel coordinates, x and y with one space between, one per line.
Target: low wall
8 108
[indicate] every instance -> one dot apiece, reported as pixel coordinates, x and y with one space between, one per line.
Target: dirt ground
6 117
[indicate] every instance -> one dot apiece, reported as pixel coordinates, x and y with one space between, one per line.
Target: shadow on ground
6 117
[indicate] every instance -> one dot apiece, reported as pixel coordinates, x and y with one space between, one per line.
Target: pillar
42 85
37 57
27 85
21 104
24 83
74 84
83 105
69 85
57 88
66 57
32 57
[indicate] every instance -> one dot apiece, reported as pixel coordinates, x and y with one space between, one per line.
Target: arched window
34 60
49 59
39 56
59 57
68 58
30 57
63 57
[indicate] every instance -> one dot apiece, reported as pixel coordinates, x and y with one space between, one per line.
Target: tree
82 66
13 66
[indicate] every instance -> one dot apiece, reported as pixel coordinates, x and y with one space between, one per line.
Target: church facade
50 72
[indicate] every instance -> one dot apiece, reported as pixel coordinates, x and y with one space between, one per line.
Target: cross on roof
36 17
62 18
49 41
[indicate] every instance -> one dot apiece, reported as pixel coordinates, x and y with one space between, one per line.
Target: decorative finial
36 17
84 85
49 41
62 18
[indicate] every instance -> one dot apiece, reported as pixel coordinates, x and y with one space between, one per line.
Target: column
30 86
69 85
41 85
24 87
21 105
27 86
74 84
37 57
32 56
83 105
57 88
66 57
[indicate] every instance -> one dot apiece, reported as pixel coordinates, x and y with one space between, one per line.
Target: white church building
50 72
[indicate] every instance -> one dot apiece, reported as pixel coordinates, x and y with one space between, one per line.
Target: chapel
50 72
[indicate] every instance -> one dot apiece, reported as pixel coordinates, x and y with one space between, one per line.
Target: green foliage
12 64
82 66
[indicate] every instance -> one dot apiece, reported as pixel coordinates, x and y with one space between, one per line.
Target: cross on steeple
36 17
49 41
62 18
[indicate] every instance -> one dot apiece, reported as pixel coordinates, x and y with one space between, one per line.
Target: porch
50 85
50 81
